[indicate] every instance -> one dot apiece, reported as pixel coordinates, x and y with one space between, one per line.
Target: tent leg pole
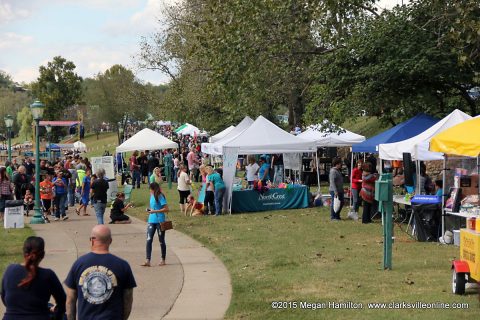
351 182
444 175
318 172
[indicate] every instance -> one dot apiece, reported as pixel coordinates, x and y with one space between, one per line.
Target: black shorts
183 196
46 204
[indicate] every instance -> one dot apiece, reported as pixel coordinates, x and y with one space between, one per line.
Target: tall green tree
395 65
241 57
119 95
25 120
58 87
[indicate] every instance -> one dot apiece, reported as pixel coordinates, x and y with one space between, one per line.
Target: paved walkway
193 285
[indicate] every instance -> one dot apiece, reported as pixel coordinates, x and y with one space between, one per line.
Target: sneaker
111 222
56 219
64 218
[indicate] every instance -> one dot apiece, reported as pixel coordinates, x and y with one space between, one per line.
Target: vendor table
273 199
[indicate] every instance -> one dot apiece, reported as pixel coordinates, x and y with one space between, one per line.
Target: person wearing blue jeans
60 185
219 193
215 180
157 210
99 188
135 170
99 211
336 187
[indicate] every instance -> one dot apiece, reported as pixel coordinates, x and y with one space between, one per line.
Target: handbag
166 225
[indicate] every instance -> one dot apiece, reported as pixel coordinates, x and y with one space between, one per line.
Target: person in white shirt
252 170
183 187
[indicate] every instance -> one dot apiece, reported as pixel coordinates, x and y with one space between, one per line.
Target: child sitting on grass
196 208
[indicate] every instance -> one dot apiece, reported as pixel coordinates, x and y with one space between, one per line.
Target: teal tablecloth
273 199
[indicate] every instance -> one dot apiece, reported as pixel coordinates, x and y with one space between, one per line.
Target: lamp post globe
37 109
9 124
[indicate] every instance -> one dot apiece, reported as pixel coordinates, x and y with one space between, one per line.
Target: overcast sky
94 34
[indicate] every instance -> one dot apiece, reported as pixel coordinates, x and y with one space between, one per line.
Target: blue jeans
99 211
71 197
136 178
175 171
151 229
219 200
60 200
336 215
356 199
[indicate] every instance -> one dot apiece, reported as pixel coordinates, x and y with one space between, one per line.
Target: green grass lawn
107 141
12 246
300 255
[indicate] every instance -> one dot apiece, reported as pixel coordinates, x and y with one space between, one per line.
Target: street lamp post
9 124
37 112
49 129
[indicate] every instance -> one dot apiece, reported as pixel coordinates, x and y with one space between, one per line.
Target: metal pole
318 173
37 217
444 175
9 145
351 181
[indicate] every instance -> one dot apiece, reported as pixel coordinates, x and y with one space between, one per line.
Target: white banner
292 161
105 163
230 156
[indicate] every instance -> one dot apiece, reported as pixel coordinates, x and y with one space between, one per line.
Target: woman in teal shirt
216 182
157 210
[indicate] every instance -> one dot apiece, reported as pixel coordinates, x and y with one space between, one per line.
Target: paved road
193 285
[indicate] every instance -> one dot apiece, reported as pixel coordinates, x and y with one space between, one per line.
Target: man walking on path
99 188
101 282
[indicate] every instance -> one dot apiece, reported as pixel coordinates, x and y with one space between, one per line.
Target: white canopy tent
188 129
418 145
262 136
323 136
146 139
216 148
80 146
221 134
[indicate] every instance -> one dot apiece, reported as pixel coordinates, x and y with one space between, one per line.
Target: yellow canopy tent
462 139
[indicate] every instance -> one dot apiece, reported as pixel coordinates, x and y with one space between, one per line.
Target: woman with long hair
156 215
6 190
27 288
156 176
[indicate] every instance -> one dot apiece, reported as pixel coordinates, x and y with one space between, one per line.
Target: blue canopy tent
402 131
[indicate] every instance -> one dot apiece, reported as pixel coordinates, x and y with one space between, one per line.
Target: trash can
427 212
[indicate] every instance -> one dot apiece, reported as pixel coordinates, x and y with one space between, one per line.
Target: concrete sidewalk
193 285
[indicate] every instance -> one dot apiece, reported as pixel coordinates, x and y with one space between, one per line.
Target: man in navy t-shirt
102 282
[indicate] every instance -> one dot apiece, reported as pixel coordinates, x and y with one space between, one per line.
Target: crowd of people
66 183
363 177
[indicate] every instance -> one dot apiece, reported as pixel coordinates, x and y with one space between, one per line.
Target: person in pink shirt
193 163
